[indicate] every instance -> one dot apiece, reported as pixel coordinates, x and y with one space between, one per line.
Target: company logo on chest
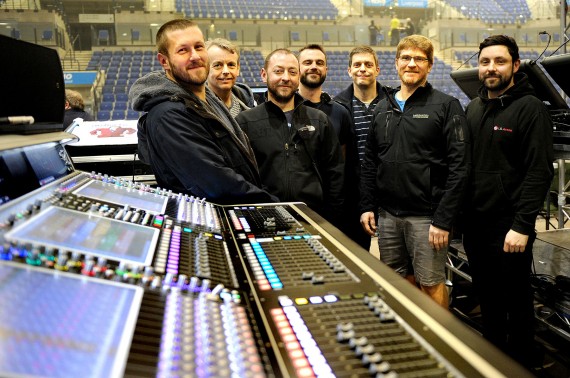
502 129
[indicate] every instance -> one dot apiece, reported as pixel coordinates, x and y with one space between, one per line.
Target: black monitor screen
32 81
557 67
23 170
67 326
468 81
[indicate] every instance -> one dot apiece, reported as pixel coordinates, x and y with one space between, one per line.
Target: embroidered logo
425 116
499 128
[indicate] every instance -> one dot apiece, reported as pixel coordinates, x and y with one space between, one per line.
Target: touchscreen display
152 203
69 230
57 324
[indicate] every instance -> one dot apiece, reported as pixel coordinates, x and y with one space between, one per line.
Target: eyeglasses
407 59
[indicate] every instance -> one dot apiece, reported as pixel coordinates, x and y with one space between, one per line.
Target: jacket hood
521 88
244 93
153 88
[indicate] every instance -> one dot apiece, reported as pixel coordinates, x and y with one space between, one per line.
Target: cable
547 44
462 64
559 47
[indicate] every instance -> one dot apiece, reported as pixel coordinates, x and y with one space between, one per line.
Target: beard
418 80
197 77
312 83
284 96
501 82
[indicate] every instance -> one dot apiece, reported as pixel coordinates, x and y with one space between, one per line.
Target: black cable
462 64
547 44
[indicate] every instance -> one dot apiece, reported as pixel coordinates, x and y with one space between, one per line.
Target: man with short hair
360 99
298 150
188 136
224 71
313 73
74 108
511 172
415 171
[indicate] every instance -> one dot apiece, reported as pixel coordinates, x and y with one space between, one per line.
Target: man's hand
438 238
368 223
515 242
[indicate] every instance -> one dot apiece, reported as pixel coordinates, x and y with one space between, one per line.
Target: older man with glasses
415 171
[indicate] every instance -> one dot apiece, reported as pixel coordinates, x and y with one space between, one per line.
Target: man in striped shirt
360 99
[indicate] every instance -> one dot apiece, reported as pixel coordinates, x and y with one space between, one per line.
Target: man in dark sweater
512 156
297 149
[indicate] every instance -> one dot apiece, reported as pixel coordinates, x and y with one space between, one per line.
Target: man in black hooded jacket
512 156
188 136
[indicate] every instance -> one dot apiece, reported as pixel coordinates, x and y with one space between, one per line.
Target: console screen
153 203
68 326
69 230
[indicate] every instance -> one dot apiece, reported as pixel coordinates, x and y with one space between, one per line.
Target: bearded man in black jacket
512 156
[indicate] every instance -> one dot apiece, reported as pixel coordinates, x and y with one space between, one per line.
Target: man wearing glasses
415 171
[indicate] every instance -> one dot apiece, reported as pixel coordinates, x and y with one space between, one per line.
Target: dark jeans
502 282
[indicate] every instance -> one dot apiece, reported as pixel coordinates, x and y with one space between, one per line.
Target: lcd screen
152 203
23 170
70 230
57 324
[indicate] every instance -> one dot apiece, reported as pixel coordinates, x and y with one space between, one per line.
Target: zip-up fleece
302 163
415 161
191 149
512 156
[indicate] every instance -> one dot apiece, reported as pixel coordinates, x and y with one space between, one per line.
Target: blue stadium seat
103 115
118 114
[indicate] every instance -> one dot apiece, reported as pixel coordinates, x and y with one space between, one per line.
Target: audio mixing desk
106 277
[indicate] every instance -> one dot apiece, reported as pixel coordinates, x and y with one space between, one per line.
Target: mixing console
138 281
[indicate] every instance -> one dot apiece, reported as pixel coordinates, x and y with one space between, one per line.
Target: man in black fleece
414 171
188 136
512 156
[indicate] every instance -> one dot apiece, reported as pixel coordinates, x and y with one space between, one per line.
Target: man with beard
313 70
297 148
359 98
224 71
512 154
187 135
414 172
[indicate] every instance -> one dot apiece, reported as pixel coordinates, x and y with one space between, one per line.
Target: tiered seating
258 9
493 11
124 68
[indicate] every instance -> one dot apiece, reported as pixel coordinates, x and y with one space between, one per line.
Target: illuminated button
293 345
305 372
301 301
316 300
330 298
285 301
300 363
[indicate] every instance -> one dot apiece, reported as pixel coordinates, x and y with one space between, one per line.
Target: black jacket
512 156
415 161
303 163
345 97
190 149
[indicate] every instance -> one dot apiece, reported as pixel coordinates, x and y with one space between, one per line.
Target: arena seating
124 67
258 9
493 11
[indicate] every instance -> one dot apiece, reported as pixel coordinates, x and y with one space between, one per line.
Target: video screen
57 324
152 203
69 230
24 170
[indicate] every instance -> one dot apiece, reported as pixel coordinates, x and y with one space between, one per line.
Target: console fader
145 282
